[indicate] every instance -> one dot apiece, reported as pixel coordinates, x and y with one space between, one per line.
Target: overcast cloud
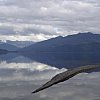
42 19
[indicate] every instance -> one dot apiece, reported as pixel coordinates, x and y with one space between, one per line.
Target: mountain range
69 51
81 42
8 47
14 45
20 44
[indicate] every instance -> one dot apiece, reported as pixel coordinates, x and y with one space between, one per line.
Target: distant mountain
82 42
70 51
8 47
20 44
2 51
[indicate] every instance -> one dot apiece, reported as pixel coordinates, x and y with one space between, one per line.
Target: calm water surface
19 76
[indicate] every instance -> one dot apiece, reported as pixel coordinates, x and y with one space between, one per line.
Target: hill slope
70 51
78 42
8 47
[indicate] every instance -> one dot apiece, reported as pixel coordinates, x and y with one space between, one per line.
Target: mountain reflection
20 75
65 59
16 69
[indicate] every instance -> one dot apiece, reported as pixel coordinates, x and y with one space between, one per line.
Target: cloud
48 17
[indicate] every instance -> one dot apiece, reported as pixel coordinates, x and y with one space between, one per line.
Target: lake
19 76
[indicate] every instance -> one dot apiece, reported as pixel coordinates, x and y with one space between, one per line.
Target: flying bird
66 75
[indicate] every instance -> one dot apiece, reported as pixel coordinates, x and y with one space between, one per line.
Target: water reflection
20 75
26 71
59 60
65 59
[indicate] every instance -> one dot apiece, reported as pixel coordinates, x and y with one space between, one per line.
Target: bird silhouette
66 75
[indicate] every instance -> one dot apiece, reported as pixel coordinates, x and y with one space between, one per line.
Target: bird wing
66 75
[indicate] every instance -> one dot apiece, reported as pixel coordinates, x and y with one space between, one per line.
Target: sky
37 20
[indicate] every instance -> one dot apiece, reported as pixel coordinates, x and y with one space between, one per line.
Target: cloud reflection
26 71
17 80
